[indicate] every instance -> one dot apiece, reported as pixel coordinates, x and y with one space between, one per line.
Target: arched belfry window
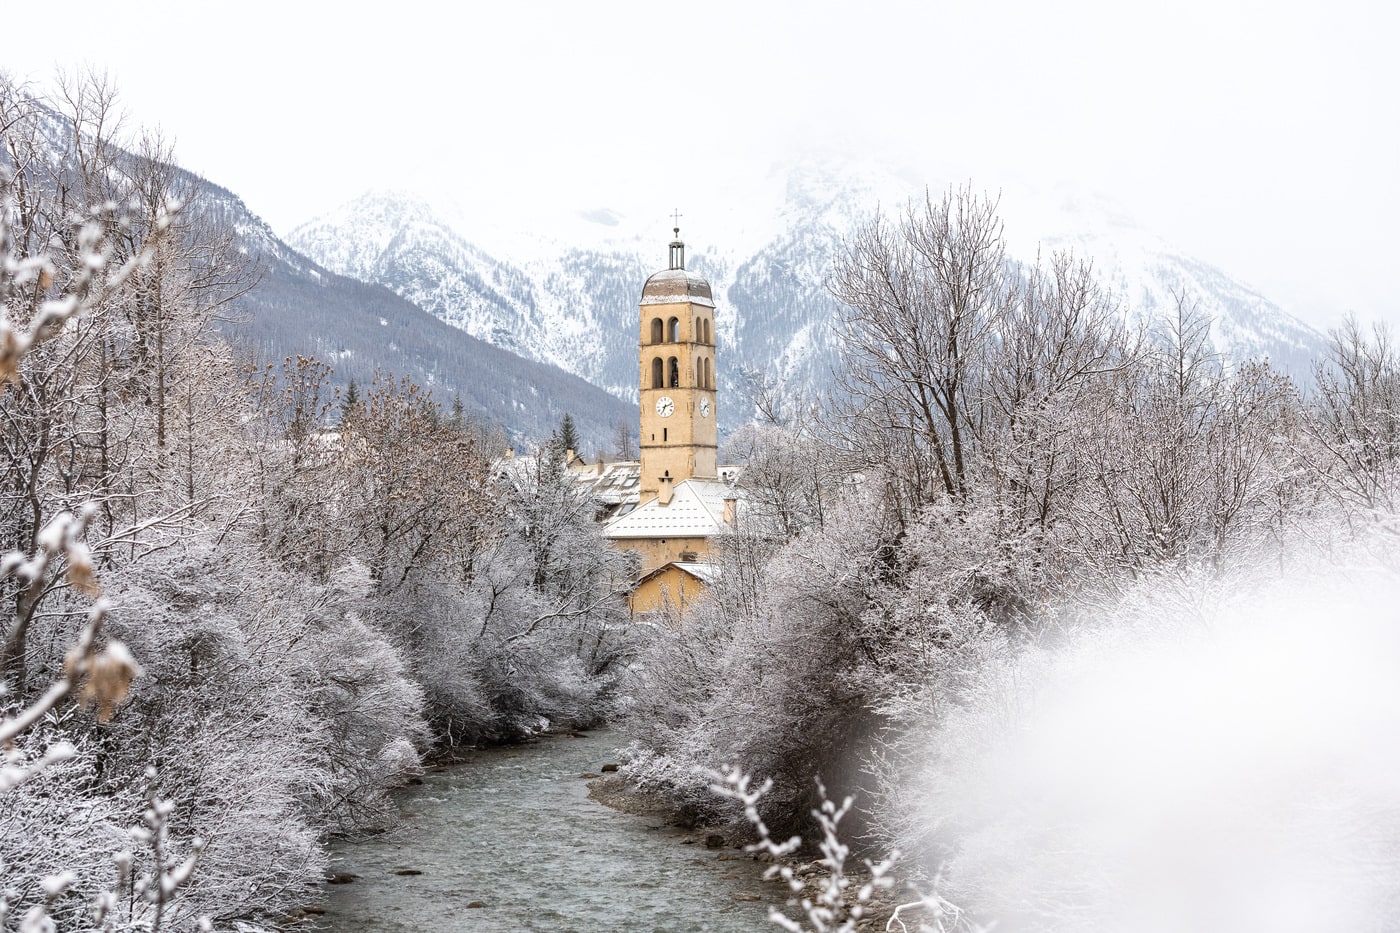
705 377
696 337
673 330
657 333
707 333
656 372
675 373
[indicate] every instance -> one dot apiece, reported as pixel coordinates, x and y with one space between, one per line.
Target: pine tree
459 413
568 434
349 401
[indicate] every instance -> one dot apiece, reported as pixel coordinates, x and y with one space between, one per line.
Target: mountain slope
301 308
358 328
569 310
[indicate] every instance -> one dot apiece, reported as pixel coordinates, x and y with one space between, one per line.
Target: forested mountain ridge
577 310
557 297
299 307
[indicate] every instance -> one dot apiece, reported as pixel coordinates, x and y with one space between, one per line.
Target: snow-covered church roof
696 510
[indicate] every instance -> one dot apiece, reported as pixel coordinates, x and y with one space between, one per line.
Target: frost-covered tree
1355 421
923 296
256 726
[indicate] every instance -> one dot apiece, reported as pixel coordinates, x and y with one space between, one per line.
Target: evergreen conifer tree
568 434
349 401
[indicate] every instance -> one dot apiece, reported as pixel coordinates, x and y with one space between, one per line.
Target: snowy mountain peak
565 290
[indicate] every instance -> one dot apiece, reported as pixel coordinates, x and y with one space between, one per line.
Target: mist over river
514 829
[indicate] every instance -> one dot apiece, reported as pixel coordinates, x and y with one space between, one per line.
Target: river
514 829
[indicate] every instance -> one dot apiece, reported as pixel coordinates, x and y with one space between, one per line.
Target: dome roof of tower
673 285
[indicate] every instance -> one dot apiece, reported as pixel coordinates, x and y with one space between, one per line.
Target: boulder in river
476 904
588 775
714 841
407 871
609 769
340 877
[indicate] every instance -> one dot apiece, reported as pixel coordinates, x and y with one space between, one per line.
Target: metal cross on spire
676 216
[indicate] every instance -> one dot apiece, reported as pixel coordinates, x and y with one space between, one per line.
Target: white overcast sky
1264 137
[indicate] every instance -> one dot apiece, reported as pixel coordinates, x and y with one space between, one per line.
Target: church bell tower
679 438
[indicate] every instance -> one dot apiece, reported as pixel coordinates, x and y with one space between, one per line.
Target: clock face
664 406
704 408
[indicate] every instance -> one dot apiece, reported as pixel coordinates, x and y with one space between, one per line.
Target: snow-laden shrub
495 656
64 819
525 624
819 658
271 713
766 673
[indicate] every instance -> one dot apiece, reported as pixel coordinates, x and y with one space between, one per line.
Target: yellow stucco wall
685 443
672 589
657 552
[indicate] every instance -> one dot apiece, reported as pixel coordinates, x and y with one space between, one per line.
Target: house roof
696 510
703 571
615 487
612 483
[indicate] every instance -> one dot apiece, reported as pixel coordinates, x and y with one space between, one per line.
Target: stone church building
684 497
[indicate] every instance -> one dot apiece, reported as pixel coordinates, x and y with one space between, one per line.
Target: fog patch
602 216
1227 766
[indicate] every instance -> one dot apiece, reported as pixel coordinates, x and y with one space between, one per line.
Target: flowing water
514 829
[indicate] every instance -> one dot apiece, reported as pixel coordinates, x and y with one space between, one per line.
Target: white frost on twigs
13 774
54 885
